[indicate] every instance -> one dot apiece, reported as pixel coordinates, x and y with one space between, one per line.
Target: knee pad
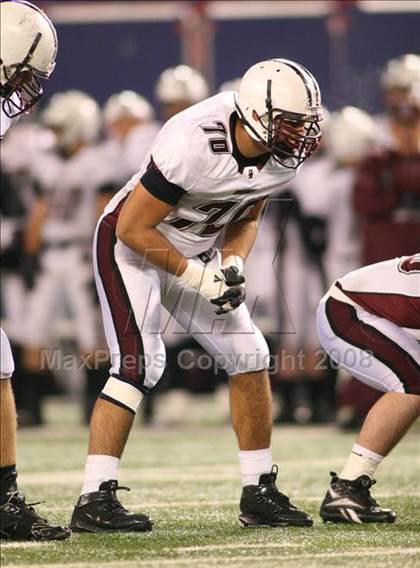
122 394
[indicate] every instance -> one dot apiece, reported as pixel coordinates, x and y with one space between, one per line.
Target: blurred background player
130 128
369 323
386 195
28 52
387 189
58 237
178 88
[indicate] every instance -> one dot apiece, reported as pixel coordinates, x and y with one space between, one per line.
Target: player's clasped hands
223 287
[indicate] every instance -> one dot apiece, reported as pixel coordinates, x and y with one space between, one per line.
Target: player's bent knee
249 355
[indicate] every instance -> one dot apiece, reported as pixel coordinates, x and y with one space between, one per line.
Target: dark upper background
103 58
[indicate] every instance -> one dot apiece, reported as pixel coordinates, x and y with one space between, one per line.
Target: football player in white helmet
282 115
61 224
351 132
130 128
74 117
209 173
400 82
125 110
180 87
28 51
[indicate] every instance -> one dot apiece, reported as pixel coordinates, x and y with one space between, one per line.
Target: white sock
361 461
98 469
253 464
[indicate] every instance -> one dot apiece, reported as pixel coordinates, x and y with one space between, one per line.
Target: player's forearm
239 238
152 244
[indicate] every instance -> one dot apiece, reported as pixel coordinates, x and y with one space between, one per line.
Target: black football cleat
20 521
351 502
100 511
263 504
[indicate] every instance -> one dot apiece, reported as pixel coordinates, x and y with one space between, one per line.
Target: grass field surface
188 481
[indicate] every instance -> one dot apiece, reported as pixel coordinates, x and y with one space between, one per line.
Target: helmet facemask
290 137
22 88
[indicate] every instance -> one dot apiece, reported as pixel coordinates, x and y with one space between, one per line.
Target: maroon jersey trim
128 334
401 309
344 322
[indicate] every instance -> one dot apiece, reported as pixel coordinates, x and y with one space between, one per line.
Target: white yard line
205 547
232 560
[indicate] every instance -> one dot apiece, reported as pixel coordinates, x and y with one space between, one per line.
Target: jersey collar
242 161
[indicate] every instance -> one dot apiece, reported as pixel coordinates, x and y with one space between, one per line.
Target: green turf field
188 481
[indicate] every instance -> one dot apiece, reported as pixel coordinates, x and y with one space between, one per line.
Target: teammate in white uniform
28 51
177 88
369 323
130 129
61 226
210 171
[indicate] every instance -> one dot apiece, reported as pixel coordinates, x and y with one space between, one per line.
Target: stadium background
128 44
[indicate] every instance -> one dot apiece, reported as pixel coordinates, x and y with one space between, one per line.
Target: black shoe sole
83 527
5 536
337 518
250 521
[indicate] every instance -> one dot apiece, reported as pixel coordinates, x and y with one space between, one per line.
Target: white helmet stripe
308 79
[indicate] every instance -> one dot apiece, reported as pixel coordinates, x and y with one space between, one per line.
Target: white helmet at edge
74 116
279 103
181 83
127 104
351 131
401 73
28 53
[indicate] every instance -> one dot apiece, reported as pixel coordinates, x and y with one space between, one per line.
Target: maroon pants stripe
344 322
128 334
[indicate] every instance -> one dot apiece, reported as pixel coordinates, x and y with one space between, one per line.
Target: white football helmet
28 52
279 103
401 73
74 116
127 104
181 83
351 132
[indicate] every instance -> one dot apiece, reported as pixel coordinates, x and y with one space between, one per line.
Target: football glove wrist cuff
234 260
209 282
192 275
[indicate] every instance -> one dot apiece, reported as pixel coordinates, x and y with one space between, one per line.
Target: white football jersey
69 185
389 289
194 165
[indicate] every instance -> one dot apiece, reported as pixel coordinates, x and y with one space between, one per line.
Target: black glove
236 294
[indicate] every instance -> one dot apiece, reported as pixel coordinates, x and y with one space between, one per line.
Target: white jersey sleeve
174 167
5 121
